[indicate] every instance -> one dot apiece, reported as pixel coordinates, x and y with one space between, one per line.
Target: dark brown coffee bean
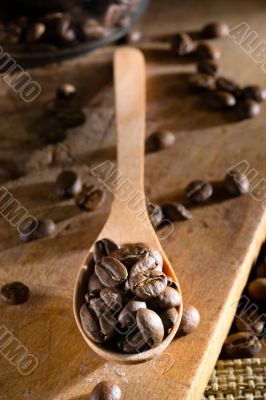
133 343
199 191
254 92
131 253
171 283
94 285
9 170
249 321
169 318
260 271
127 317
90 29
242 345
182 44
38 229
219 100
106 390
228 85
202 81
248 109
68 184
113 298
215 30
236 182
66 91
176 212
35 32
98 306
113 15
111 271
150 326
155 214
148 284
208 51
160 140
71 119
144 264
90 198
257 289
90 324
15 293
103 248
168 299
208 67
190 320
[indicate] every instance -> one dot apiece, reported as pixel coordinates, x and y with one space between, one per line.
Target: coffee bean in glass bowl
207 51
37 229
182 44
254 92
106 390
15 293
176 212
248 108
160 140
209 67
214 30
199 191
90 198
68 184
190 320
236 182
66 91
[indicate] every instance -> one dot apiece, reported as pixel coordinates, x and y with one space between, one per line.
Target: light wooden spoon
128 221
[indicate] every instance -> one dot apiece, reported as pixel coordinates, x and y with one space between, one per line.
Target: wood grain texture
212 254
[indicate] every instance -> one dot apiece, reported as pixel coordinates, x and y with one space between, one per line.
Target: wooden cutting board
212 254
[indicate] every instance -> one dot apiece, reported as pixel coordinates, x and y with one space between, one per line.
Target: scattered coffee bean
103 248
35 32
37 229
111 271
236 182
155 214
254 92
182 44
150 326
160 140
220 100
199 191
207 51
190 320
169 318
208 67
68 184
248 109
228 85
215 30
257 290
90 198
66 91
15 293
106 390
176 212
202 81
242 345
127 317
148 284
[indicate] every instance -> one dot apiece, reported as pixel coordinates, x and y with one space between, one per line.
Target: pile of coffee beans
131 304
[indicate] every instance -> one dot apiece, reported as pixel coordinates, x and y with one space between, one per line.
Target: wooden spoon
128 221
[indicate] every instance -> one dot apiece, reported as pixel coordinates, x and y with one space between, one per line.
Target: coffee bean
90 324
160 140
220 100
148 284
133 343
199 191
150 326
169 318
254 92
68 184
168 299
106 390
144 264
171 283
260 271
111 271
127 317
90 198
207 51
257 289
131 253
228 85
113 298
66 91
242 345
15 293
176 212
190 320
70 119
248 109
215 30
202 81
38 229
236 182
35 32
155 214
103 248
182 44
208 67
94 285
98 306
249 321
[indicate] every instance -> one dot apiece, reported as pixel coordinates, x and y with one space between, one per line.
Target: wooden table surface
212 254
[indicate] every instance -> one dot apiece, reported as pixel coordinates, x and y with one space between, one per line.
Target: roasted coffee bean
90 324
113 15
220 100
111 271
131 253
228 85
108 326
71 119
35 32
68 184
98 306
66 91
133 343
248 109
150 326
103 248
171 283
148 284
208 51
15 293
182 44
160 140
254 92
90 198
190 320
155 214
127 317
242 345
202 81
106 390
168 299
176 212
94 285
249 321
9 170
113 298
215 30
199 191
208 67
236 182
261 271
144 264
38 229
169 318
257 289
